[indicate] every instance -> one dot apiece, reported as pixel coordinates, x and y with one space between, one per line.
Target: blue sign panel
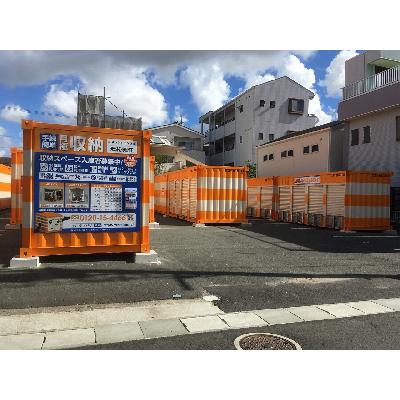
85 193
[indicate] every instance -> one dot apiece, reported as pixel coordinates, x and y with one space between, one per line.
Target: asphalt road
373 332
264 265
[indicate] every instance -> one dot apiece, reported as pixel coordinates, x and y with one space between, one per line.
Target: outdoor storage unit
85 190
347 200
151 208
261 197
203 194
5 187
16 186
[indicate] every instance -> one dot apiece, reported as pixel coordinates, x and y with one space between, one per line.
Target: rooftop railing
373 82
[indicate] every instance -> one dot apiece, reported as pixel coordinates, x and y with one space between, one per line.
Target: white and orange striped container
36 243
151 191
5 187
347 200
160 193
16 186
203 194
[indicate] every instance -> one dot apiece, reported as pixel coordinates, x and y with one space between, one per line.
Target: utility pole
123 119
104 109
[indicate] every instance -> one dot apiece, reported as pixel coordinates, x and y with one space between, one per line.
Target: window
314 148
240 139
290 153
271 156
283 154
271 137
272 104
260 136
296 106
241 108
398 128
367 134
262 103
266 157
354 137
306 149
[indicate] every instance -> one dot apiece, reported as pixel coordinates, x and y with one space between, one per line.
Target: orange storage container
16 186
5 187
261 197
347 200
85 190
203 194
151 210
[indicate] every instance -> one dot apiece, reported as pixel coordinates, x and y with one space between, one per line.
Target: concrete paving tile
162 328
310 313
118 333
25 341
369 307
242 320
204 324
340 310
69 338
394 304
277 316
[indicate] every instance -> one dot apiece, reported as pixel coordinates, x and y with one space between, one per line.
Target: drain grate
265 341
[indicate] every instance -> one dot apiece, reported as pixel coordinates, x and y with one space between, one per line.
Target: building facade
259 115
189 141
314 150
371 106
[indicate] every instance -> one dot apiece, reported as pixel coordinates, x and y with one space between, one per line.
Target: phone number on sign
101 217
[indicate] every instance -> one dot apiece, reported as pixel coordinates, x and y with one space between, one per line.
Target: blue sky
156 85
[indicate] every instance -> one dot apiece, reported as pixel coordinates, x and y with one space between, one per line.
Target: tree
252 173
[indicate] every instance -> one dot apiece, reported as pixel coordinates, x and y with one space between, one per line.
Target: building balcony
370 83
224 130
374 93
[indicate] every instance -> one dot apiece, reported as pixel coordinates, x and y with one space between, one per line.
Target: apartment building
189 141
259 115
371 106
318 149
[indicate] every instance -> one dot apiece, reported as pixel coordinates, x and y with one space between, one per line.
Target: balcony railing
371 83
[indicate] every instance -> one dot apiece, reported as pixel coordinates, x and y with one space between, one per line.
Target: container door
266 196
315 199
284 198
185 198
299 203
335 200
193 198
252 194
178 197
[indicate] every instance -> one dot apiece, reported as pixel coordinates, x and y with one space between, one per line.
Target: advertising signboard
86 180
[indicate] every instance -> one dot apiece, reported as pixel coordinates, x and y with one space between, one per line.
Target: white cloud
13 113
207 86
62 101
315 107
296 70
257 79
334 75
5 143
179 113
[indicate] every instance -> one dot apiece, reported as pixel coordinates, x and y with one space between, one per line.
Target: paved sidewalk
163 320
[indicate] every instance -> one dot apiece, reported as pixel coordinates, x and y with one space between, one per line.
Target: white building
189 141
260 114
371 106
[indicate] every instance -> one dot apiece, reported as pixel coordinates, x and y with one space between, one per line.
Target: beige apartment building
318 149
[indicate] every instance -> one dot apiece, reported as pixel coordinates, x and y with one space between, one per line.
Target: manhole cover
265 341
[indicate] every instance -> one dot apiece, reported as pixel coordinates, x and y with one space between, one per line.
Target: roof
176 124
305 131
247 90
